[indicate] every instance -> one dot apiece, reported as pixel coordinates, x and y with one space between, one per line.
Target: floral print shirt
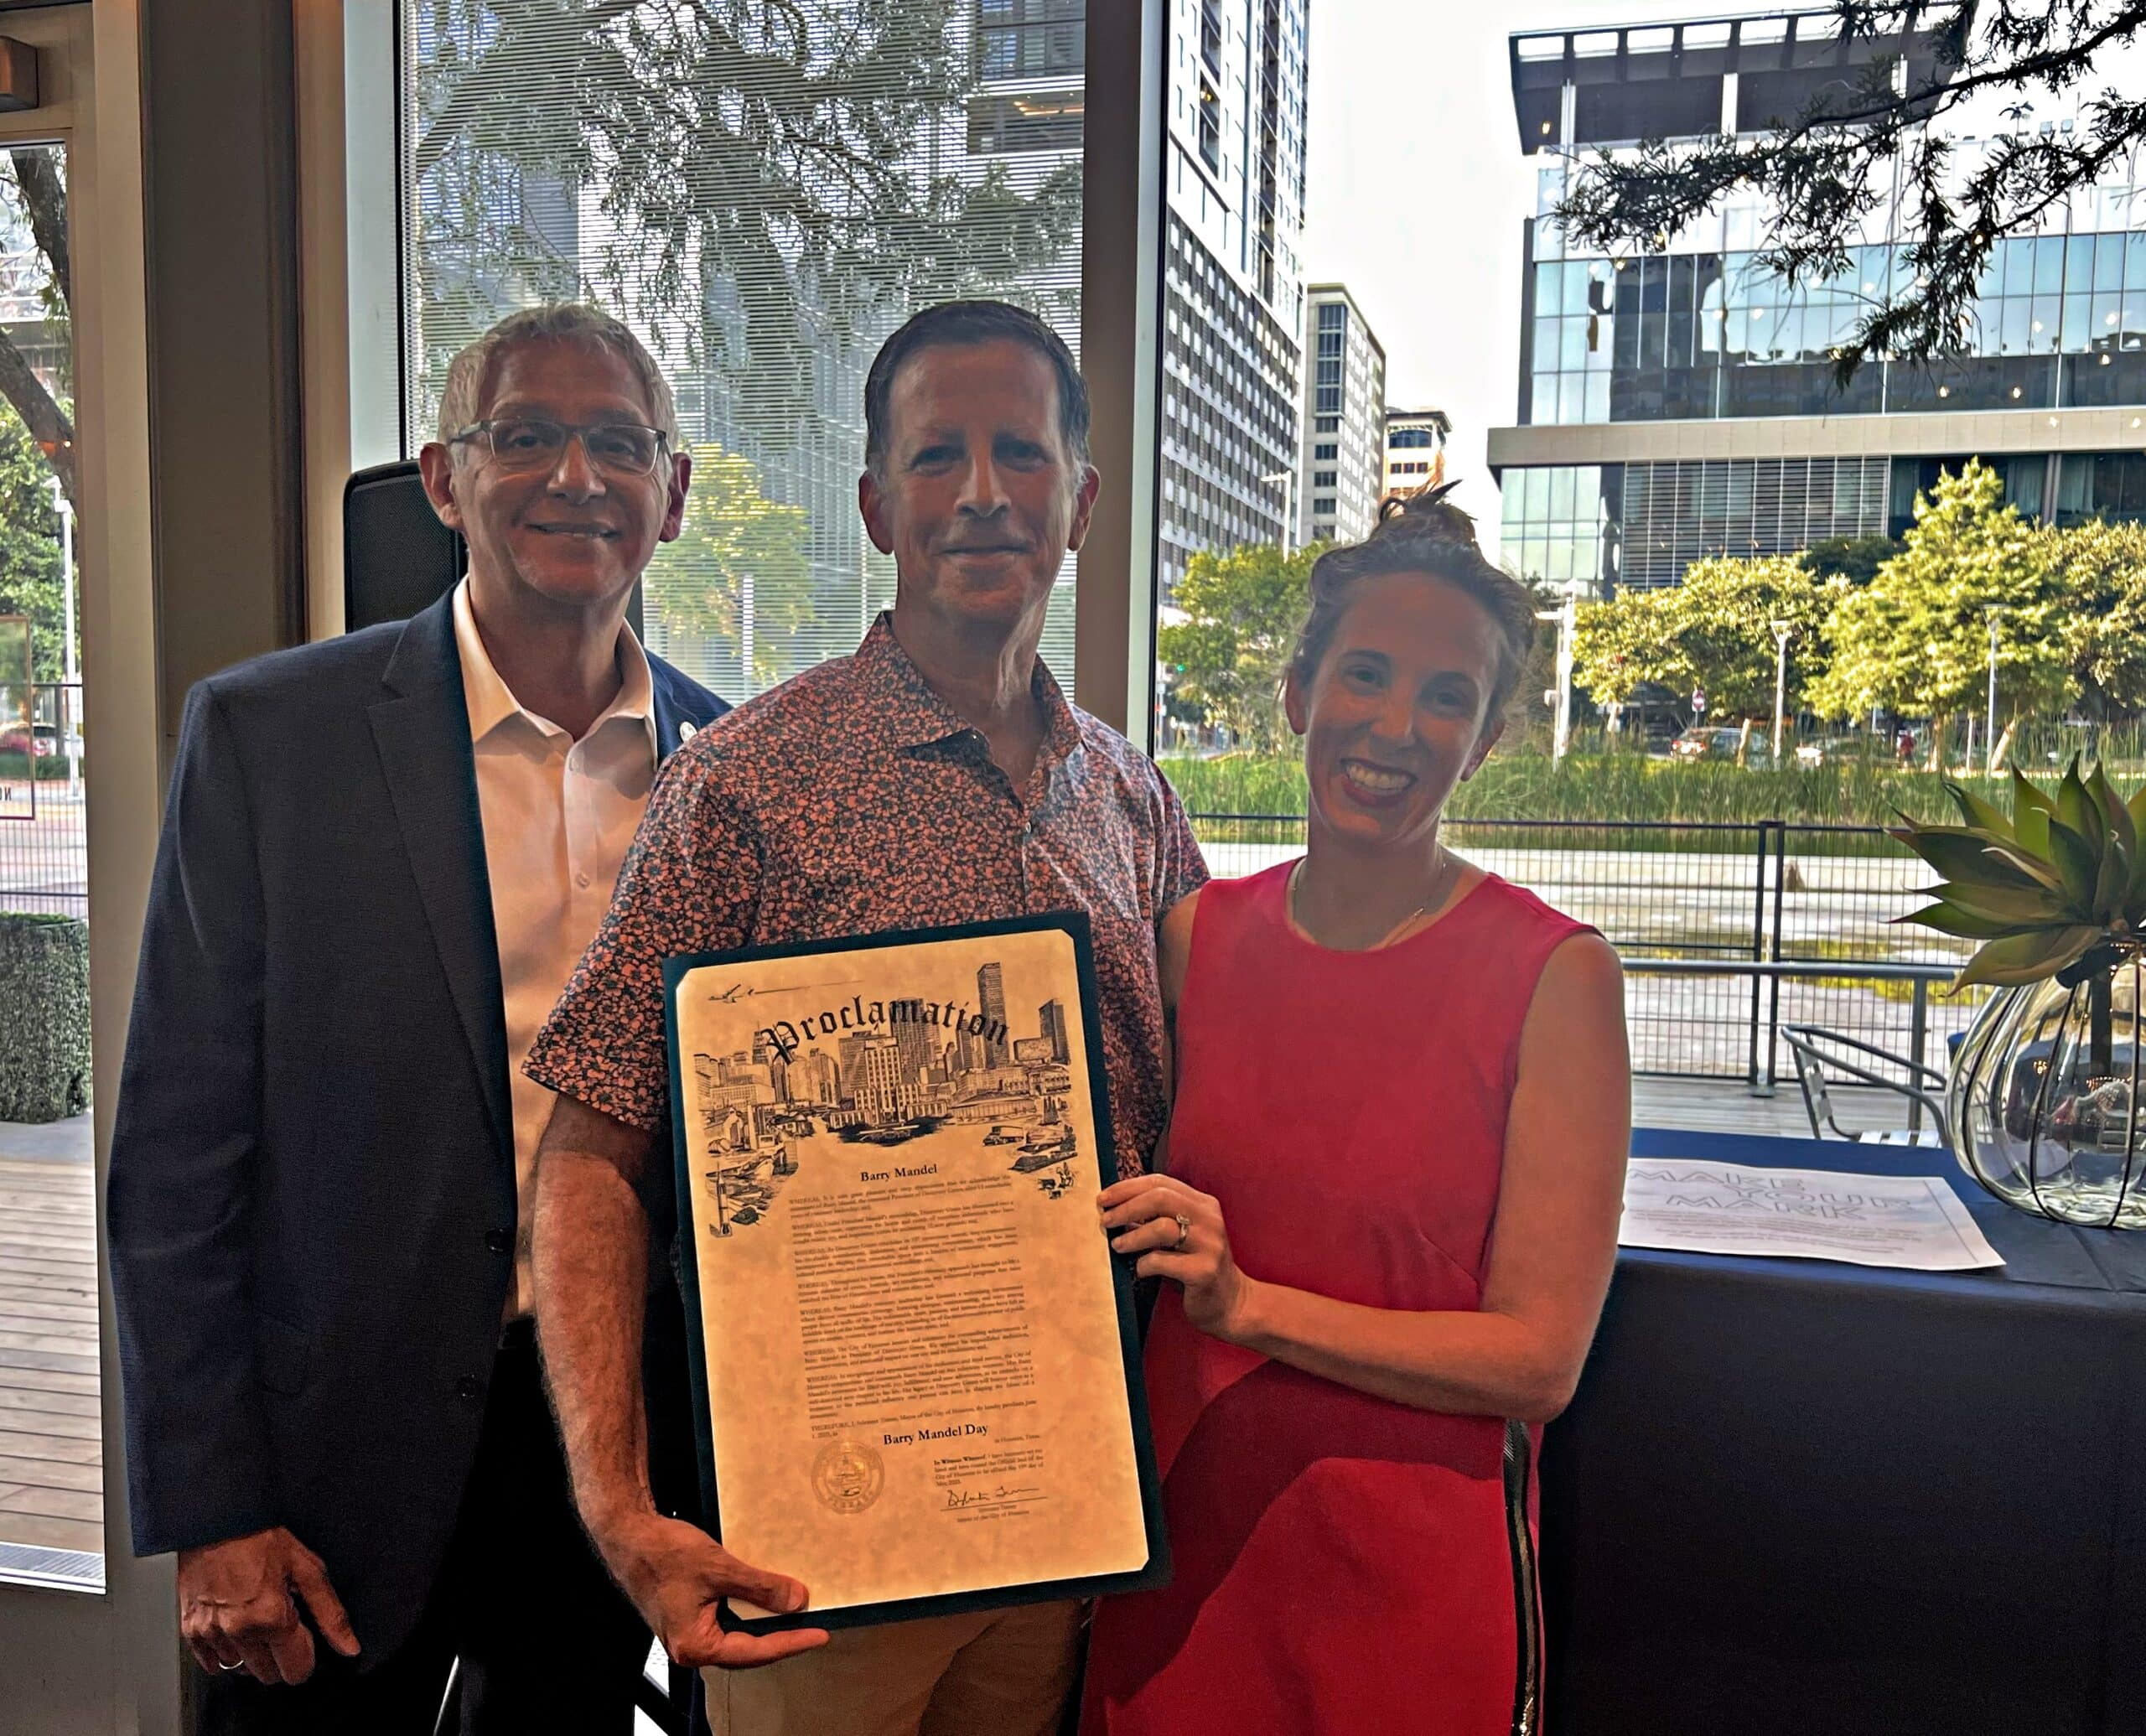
853 799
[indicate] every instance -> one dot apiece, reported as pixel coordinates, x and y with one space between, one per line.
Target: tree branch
47 423
494 74
44 197
1827 172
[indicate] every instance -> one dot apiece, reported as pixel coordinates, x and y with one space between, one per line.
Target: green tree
1619 645
2100 572
739 562
1711 631
1916 640
771 184
30 546
1875 143
1854 559
1227 658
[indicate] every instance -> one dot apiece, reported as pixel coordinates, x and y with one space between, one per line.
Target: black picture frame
1156 1572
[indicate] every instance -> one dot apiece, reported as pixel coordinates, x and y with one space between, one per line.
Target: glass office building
1682 401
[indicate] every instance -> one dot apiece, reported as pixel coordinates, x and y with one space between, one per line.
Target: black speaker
397 556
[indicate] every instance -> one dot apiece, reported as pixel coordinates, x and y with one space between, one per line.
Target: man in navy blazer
382 856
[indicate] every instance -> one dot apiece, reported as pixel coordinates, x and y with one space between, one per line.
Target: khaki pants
1001 1672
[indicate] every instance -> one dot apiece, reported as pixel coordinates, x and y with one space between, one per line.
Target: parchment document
1914 1222
917 1382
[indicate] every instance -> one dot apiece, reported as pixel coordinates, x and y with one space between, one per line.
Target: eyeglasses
531 442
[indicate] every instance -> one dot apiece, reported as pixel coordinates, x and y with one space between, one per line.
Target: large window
51 1451
763 231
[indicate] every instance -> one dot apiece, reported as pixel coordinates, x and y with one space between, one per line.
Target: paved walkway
51 1455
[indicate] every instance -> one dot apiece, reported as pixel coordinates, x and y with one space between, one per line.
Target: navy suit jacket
311 1206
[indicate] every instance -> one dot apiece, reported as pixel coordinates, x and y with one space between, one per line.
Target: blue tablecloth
1796 1498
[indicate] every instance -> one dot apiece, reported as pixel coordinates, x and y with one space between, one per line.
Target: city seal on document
847 1476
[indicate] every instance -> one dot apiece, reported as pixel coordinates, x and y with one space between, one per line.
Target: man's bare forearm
589 1259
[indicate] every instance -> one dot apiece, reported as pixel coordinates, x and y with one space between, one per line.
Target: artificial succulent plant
2057 888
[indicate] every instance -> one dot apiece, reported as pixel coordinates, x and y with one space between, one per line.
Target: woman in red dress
1394 1173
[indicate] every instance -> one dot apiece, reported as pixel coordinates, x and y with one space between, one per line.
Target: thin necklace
1430 899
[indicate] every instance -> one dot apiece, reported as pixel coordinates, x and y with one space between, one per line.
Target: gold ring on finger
1184 1230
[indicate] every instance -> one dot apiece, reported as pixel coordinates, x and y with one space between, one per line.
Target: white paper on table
1913 1222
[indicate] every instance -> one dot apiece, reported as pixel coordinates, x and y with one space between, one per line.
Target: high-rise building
877 1084
1342 472
991 1002
1681 400
913 1041
1050 1017
811 1078
1233 181
850 1046
1415 449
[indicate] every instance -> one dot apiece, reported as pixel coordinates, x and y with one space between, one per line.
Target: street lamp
1783 632
69 744
1993 611
1287 478
1567 616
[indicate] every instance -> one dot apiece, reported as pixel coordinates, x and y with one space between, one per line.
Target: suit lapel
422 733
674 727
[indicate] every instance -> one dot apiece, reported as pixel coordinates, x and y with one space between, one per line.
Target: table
1816 1500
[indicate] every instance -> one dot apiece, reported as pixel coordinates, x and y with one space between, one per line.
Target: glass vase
2043 1096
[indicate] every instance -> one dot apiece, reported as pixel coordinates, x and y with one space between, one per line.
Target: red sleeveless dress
1344 1565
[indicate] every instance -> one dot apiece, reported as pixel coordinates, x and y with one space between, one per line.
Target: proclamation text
915 1377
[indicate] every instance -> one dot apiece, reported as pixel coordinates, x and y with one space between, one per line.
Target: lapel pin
686 729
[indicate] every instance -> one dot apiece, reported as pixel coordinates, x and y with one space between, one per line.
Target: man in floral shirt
937 776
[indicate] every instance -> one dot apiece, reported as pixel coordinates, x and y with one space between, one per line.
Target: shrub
15 766
1626 788
45 1015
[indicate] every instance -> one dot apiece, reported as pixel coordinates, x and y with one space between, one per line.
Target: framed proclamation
917 1376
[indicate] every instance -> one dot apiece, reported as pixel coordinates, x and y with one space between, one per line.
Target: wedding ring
1184 1230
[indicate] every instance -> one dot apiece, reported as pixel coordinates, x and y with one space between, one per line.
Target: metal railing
1918 978
1820 901
44 863
1695 910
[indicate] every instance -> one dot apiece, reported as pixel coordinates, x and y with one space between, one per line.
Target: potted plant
2044 1087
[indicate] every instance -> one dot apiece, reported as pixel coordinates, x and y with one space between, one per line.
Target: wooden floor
51 1459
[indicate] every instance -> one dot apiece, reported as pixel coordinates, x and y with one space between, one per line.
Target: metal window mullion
1121 347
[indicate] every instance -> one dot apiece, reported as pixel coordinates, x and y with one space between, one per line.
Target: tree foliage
29 547
1226 660
1862 147
1854 559
1712 632
765 176
1916 640
740 557
2099 572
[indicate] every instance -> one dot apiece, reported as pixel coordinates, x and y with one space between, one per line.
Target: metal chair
1818 1049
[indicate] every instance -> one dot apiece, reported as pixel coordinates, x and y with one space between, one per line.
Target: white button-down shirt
558 815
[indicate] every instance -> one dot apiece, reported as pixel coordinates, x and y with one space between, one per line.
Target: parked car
1713 741
41 740
1829 750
